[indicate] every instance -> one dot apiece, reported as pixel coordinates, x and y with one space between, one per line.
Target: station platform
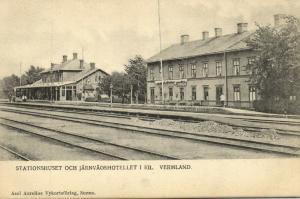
229 116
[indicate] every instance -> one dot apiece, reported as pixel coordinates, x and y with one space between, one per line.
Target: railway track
116 151
145 117
102 113
149 118
233 142
15 153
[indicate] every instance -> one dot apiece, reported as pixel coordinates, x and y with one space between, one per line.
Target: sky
109 32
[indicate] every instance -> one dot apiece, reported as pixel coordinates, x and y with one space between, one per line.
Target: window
170 72
60 77
181 93
236 93
236 67
205 70
99 78
251 60
205 93
151 74
181 71
159 69
250 65
160 91
293 98
193 70
218 68
194 93
170 93
63 93
252 93
74 90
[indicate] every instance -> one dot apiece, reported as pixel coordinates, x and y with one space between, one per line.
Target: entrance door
219 91
69 95
152 95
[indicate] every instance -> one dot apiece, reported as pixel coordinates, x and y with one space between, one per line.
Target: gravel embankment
211 128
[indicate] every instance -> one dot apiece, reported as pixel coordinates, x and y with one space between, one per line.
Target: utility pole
20 73
131 88
137 91
161 64
111 87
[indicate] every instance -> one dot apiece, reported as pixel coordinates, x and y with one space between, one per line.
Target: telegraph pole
20 73
161 64
111 97
131 87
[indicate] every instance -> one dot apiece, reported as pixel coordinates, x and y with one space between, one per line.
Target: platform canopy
44 85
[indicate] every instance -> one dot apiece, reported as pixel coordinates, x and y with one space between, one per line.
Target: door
152 95
219 92
69 95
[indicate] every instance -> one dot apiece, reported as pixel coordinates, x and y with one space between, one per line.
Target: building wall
69 75
93 80
212 80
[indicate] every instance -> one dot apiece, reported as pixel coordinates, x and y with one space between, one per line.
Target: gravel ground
5 155
211 128
205 128
181 148
37 148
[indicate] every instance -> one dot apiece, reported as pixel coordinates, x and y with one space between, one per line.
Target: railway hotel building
72 79
198 72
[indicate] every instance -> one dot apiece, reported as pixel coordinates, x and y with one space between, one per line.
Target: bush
91 99
279 106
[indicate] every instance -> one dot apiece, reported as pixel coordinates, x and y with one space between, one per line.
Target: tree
275 70
8 84
136 71
32 75
119 82
135 76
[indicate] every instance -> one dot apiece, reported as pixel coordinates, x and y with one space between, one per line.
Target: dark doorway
219 92
152 95
69 95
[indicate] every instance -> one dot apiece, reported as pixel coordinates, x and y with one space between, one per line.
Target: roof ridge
200 47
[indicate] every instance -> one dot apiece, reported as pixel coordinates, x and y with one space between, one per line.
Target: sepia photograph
147 80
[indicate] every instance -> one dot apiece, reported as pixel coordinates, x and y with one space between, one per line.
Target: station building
199 72
72 79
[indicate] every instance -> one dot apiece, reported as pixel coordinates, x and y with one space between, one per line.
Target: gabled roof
86 73
72 65
213 45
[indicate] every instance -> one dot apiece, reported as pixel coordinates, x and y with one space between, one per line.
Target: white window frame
181 71
218 68
252 93
193 70
151 74
170 74
236 93
205 69
236 67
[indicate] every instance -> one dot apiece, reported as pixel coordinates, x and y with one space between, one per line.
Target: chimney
92 64
81 63
279 19
184 39
65 58
52 66
242 27
74 55
205 35
218 32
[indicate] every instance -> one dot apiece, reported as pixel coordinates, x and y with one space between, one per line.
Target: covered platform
55 91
